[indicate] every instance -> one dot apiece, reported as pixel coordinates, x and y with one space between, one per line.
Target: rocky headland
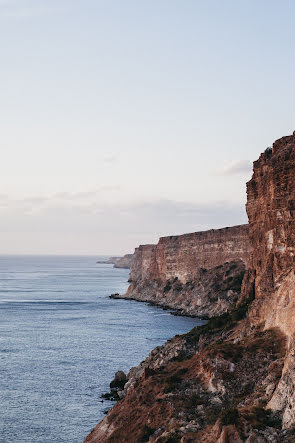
233 379
198 274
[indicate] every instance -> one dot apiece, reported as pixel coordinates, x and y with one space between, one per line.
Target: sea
61 341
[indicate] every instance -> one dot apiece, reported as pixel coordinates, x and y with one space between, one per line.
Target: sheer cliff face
197 274
143 264
182 256
271 212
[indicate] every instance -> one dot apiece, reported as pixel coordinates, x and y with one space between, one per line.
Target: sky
123 121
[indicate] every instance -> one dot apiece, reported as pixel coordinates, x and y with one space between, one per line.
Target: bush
229 416
194 400
259 418
167 287
146 433
268 152
221 323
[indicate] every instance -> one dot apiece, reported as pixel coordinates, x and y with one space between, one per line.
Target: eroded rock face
197 273
271 212
182 256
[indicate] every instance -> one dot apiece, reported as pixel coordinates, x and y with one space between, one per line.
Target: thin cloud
93 226
69 196
241 167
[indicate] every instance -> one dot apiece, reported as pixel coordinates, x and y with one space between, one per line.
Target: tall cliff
197 274
233 379
182 255
271 212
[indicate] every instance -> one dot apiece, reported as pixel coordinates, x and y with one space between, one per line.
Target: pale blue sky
121 121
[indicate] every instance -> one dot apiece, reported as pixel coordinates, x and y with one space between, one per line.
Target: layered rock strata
198 274
231 380
182 256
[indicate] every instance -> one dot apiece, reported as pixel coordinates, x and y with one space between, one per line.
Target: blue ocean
61 341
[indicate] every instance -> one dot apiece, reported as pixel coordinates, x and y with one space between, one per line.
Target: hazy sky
121 121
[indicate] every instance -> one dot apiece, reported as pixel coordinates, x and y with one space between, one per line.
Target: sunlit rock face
197 274
271 212
182 256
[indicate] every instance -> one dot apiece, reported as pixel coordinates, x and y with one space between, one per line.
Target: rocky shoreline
211 292
172 311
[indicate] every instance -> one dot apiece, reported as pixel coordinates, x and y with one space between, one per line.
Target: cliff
231 380
271 212
197 274
118 262
182 255
123 262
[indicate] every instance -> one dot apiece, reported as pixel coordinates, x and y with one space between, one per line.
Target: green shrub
229 416
167 287
146 433
268 152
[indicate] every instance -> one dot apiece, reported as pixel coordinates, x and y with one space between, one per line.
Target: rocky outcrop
198 274
231 380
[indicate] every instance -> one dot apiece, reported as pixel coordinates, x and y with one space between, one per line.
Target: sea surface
61 341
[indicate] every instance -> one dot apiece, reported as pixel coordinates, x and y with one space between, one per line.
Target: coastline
178 312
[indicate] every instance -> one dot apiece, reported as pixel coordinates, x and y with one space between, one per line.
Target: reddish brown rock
271 212
182 256
172 273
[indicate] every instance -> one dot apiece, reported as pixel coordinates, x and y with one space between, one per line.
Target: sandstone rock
182 256
191 272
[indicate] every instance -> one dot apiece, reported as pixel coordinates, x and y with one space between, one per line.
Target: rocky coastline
211 292
197 275
232 379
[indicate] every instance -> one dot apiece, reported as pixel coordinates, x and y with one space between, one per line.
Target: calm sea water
61 341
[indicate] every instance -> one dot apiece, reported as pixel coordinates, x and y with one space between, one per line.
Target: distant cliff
118 262
197 274
233 379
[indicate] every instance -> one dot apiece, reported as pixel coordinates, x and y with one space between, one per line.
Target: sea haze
61 341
